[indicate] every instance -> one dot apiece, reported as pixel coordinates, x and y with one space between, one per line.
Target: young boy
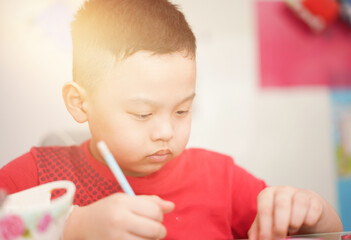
134 83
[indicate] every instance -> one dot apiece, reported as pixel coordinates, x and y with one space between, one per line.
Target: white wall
282 136
35 61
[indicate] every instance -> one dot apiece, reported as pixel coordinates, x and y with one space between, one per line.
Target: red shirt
214 198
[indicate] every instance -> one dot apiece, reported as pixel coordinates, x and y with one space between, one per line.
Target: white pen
113 165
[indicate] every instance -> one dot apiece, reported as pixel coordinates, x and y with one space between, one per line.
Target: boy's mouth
160 156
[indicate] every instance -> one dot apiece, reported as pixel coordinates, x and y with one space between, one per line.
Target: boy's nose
163 131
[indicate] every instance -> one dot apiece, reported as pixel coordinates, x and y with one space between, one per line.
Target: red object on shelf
317 14
290 55
328 10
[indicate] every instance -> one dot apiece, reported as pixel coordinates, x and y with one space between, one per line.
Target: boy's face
142 110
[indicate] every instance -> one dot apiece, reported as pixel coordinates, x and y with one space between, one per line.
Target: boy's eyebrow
188 98
151 102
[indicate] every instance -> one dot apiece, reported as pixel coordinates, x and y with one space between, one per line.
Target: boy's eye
142 116
182 113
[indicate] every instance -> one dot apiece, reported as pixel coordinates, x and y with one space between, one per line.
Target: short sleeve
245 190
19 174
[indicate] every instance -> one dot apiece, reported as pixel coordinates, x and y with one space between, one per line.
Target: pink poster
292 55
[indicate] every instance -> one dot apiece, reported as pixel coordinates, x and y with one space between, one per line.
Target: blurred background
270 92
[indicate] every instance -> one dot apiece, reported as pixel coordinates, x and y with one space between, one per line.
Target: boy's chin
142 173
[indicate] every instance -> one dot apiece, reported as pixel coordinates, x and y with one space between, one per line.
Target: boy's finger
299 210
252 233
131 236
314 212
145 207
166 206
265 214
282 212
146 228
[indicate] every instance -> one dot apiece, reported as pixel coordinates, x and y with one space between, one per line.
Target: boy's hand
119 216
287 210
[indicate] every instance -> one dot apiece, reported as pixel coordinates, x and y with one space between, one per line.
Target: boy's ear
75 101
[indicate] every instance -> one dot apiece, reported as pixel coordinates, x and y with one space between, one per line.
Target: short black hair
124 27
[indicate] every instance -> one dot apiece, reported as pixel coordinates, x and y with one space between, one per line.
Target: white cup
31 214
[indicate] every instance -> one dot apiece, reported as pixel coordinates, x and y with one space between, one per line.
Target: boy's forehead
145 62
148 101
111 68
147 55
145 77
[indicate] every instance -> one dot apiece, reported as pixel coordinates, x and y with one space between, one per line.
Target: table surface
327 236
